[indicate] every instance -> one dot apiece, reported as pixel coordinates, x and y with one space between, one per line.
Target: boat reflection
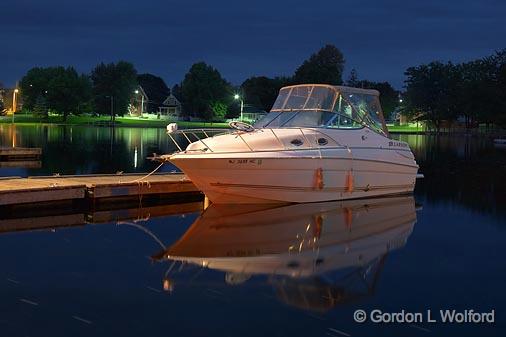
315 255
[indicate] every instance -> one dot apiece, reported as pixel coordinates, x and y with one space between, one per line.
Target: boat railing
201 135
192 135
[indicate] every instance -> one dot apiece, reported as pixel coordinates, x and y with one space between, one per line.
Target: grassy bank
23 119
409 128
26 119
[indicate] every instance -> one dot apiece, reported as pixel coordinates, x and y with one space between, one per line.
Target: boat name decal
397 144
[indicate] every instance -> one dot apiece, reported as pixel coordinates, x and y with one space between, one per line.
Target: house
252 114
139 103
149 95
170 107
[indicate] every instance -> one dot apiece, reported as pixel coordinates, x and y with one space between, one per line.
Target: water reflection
315 256
82 149
457 169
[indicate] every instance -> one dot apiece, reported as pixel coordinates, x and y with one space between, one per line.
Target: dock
52 202
9 154
16 191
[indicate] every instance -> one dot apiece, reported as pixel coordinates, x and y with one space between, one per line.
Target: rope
142 178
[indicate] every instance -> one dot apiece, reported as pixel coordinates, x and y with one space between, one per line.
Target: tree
114 83
177 91
2 104
219 110
40 107
63 89
202 87
261 92
353 78
431 89
498 66
325 67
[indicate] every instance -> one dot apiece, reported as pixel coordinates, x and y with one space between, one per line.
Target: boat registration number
245 161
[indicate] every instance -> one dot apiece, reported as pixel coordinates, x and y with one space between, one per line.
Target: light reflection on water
297 270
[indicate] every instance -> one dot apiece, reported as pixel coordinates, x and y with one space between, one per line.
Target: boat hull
251 178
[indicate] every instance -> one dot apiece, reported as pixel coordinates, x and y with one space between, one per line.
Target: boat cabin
326 106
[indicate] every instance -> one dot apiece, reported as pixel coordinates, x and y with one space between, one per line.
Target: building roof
154 87
171 100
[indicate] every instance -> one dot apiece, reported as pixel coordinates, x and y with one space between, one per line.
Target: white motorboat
318 143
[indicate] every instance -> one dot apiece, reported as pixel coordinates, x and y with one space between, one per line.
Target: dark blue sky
164 37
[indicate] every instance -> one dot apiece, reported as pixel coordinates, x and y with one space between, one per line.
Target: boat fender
318 183
172 127
349 182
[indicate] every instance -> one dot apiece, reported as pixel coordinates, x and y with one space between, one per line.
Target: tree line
107 90
471 92
438 93
204 93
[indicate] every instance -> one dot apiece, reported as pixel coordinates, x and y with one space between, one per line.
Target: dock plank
52 188
20 151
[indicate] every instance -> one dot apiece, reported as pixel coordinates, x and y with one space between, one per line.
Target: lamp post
142 101
14 103
237 97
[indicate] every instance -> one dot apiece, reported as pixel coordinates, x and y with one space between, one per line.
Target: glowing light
135 157
236 96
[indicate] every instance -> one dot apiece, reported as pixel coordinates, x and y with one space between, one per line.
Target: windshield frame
319 101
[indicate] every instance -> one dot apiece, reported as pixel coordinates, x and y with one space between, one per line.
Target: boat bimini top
321 105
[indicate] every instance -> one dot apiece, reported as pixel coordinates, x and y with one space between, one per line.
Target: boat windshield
305 97
325 106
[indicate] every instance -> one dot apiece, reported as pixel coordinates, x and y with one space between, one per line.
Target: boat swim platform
38 191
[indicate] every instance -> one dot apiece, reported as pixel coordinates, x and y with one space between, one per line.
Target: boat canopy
320 105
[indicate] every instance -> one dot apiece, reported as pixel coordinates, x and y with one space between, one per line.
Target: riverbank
130 122
24 119
133 122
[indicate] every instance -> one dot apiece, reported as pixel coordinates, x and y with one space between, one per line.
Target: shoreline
127 122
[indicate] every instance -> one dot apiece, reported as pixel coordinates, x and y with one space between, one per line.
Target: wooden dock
92 188
23 154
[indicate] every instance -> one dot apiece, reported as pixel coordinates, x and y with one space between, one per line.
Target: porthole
297 142
322 141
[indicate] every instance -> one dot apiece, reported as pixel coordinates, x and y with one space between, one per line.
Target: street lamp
14 103
236 97
142 101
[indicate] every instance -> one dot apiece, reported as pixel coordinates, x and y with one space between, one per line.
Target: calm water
298 270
